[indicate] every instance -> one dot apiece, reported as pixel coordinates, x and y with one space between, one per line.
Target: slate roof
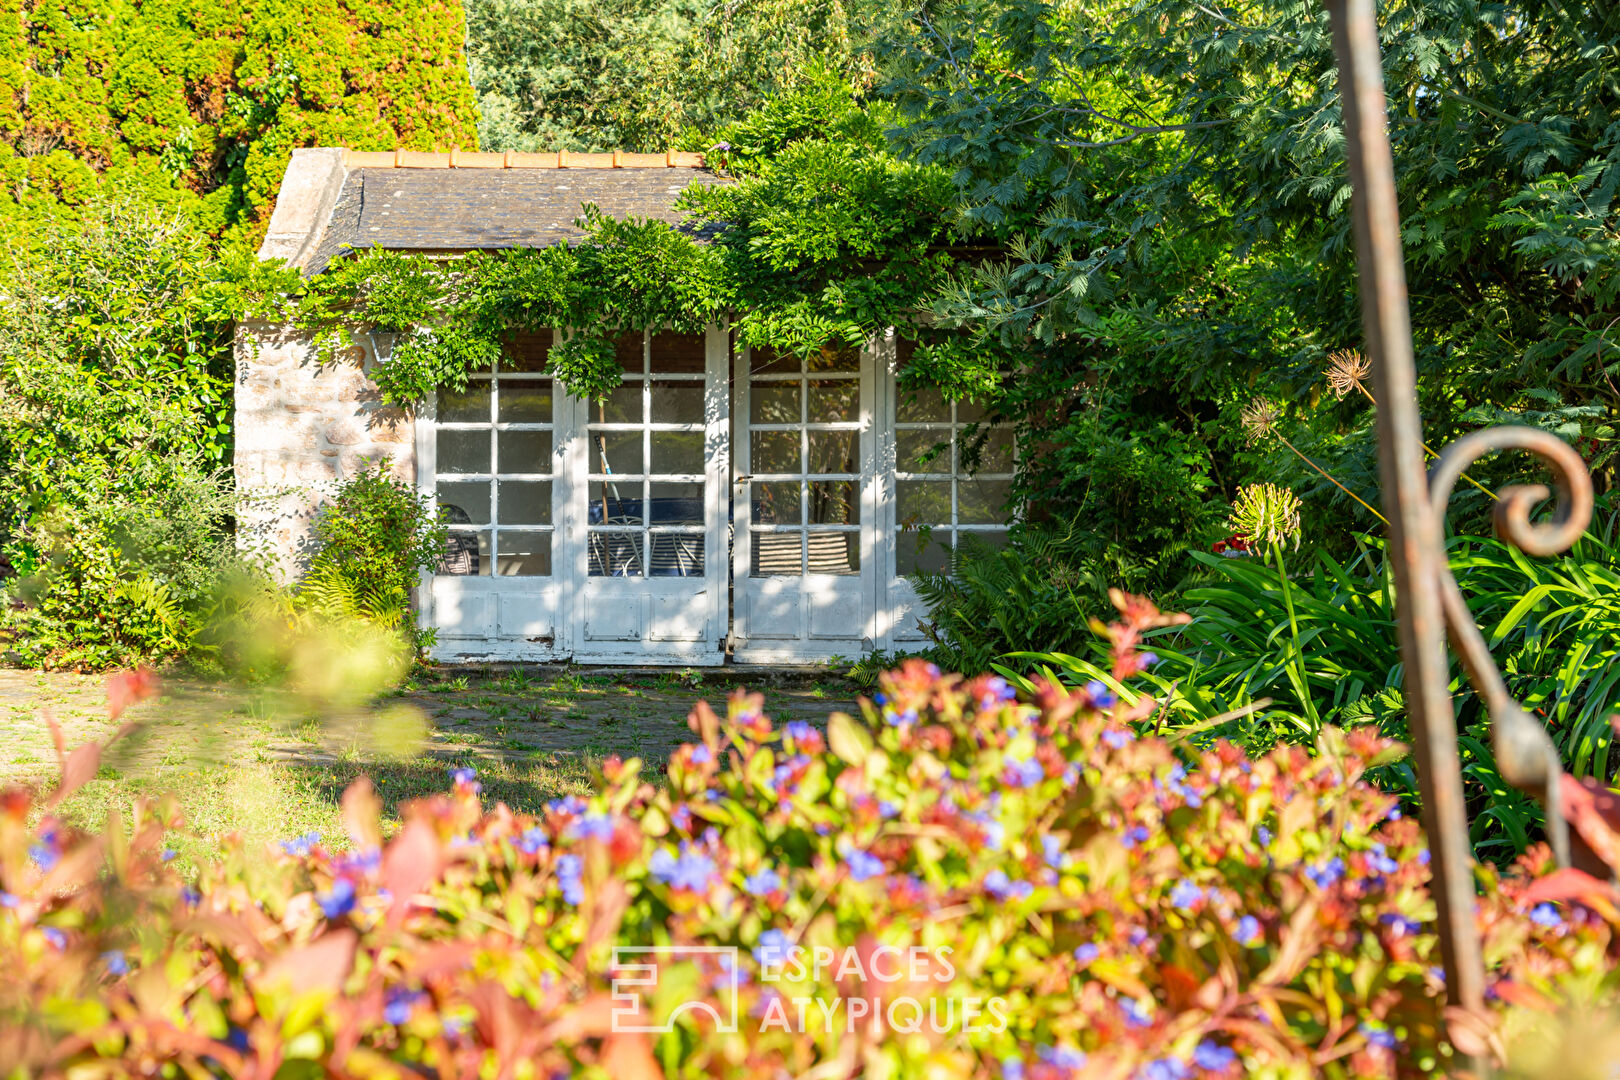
422 206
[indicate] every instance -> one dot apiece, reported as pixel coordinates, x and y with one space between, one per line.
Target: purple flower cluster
299 847
691 870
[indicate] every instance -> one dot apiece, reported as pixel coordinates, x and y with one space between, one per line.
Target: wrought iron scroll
1429 602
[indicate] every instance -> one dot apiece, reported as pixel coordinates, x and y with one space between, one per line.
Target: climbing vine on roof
825 238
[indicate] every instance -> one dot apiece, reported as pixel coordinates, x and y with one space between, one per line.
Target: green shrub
1106 899
375 538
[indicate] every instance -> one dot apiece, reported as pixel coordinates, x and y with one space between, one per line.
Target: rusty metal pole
1415 534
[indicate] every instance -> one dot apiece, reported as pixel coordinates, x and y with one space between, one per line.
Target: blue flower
398 1008
1099 695
1378 1035
1136 834
888 809
1147 659
1054 852
8 900
701 755
466 778
1325 873
1012 1069
1545 914
1086 953
45 854
300 846
117 963
899 719
1026 773
54 936
1185 895
765 881
532 841
691 870
169 853
1247 933
1062 1057
569 869
1213 1057
863 865
1380 862
999 885
338 902
773 950
1163 1069
568 804
592 827
190 896
1116 738
1399 925
1135 1014
1264 835
798 731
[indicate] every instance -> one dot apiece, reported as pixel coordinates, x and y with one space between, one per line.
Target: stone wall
302 428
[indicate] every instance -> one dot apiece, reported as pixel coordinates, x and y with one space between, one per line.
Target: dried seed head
1260 419
1347 370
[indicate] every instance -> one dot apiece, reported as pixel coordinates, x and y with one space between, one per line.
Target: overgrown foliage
1201 913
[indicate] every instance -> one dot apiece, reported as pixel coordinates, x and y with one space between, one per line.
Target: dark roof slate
488 209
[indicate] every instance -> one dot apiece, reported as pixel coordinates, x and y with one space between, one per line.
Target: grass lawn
243 763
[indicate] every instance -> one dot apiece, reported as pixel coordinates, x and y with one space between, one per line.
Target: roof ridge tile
511 159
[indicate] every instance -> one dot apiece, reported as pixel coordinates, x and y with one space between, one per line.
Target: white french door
647 514
803 505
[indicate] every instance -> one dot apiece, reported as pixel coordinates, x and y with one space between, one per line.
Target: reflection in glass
615 452
466 553
774 451
469 406
980 502
923 553
463 451
524 402
677 403
777 554
630 350
923 451
835 400
995 452
834 357
923 405
524 451
832 502
774 403
776 503
615 503
832 451
524 502
763 360
464 502
922 502
623 405
970 538
614 554
683 353
521 553
677 452
675 504
834 552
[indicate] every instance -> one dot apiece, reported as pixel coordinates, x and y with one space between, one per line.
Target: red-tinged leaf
628 1056
323 964
1517 993
78 770
1570 884
128 687
1594 811
225 930
590 1019
56 737
362 814
437 960
412 861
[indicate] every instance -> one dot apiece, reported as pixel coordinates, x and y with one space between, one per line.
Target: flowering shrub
957 884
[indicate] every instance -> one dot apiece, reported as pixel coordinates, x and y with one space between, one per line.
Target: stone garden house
723 504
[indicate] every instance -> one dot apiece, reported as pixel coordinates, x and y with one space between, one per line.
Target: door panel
804 505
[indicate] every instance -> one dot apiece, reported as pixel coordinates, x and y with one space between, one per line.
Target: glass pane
615 503
675 555
777 555
773 451
774 403
921 405
677 452
832 502
776 503
982 501
623 406
464 503
614 554
470 406
834 358
466 553
676 504
922 502
927 450
835 399
523 554
615 452
677 403
832 451
969 412
523 502
834 553
526 351
463 451
629 349
523 451
679 353
524 402
762 360
995 451
993 538
923 553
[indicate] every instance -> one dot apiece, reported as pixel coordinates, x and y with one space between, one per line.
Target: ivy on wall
197 104
826 238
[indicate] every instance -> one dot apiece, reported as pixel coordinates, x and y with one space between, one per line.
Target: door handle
743 479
